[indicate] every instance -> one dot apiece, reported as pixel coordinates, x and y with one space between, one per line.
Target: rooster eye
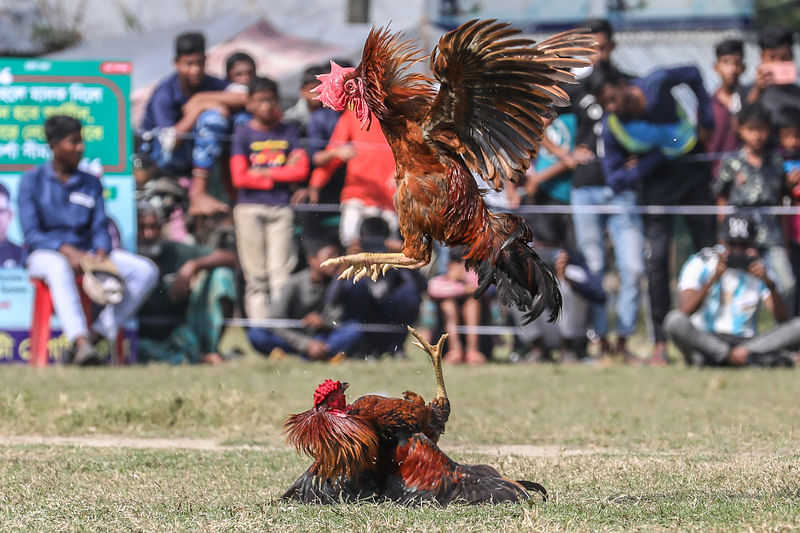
350 85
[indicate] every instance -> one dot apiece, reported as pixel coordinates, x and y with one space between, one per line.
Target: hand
704 134
722 266
560 266
307 194
757 269
793 177
317 350
74 257
345 152
531 183
98 256
764 77
313 321
203 204
513 197
181 286
583 155
631 162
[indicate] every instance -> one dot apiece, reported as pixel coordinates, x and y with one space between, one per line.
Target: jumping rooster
495 89
385 449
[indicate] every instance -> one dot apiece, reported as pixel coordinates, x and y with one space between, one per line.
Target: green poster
95 92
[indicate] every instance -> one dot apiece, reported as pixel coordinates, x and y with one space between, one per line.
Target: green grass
618 448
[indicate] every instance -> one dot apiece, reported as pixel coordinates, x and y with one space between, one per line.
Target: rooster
382 448
487 117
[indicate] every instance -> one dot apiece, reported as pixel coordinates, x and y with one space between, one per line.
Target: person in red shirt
369 184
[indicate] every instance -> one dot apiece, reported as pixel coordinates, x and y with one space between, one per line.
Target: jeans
777 259
625 232
342 339
140 276
202 150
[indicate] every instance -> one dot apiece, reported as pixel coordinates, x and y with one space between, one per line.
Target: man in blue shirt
188 119
64 223
650 146
720 292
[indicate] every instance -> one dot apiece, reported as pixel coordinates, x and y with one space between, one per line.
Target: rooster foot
372 264
435 353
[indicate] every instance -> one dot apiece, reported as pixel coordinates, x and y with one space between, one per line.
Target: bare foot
475 357
212 359
454 357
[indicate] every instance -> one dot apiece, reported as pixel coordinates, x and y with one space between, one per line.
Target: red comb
325 388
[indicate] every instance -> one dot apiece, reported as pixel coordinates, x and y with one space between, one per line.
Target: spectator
789 147
187 116
755 177
240 69
266 159
369 180
727 101
548 180
646 134
580 288
303 297
321 123
452 294
393 299
775 87
10 253
589 189
719 295
64 223
183 319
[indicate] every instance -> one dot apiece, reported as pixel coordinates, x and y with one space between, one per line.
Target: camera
739 260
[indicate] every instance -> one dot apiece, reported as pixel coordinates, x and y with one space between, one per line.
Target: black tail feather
532 486
522 278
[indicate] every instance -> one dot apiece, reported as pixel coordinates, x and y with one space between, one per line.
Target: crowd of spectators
625 142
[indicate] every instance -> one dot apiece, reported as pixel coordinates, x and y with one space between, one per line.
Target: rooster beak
344 386
351 105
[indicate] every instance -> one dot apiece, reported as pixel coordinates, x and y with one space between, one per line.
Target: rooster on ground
382 448
495 90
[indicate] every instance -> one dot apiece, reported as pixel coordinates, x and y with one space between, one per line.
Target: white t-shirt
732 303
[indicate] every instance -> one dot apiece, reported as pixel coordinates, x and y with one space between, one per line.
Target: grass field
200 449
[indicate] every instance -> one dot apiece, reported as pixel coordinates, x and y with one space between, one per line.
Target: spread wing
495 91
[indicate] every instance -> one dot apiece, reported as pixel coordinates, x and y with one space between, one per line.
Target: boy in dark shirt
266 161
755 177
727 101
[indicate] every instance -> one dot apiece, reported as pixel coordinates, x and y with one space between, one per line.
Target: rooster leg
372 264
435 353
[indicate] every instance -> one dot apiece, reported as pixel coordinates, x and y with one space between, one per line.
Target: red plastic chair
40 323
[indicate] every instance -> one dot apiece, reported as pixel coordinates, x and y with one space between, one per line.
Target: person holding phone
775 86
756 177
720 291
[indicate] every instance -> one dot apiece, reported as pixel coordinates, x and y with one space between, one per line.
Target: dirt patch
215 445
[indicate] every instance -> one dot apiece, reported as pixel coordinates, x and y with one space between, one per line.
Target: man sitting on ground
720 292
183 320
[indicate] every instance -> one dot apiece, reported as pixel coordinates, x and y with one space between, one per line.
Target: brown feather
340 445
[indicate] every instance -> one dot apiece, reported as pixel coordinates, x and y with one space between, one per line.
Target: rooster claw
371 264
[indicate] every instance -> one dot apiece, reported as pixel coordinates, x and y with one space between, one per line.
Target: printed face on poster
95 92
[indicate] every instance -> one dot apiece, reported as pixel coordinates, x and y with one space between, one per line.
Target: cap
738 229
